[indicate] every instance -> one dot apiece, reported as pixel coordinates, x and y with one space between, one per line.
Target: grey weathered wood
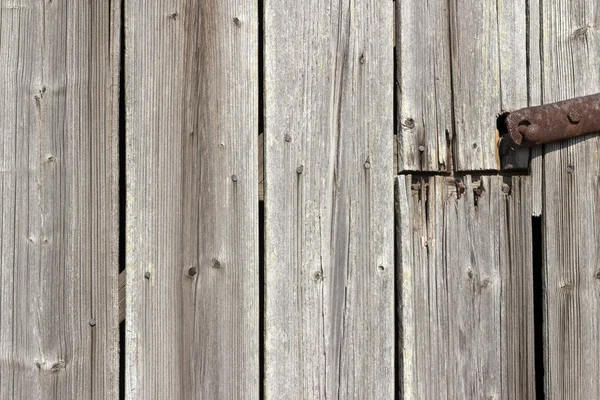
59 199
465 288
571 67
489 69
536 169
424 85
192 107
534 55
329 200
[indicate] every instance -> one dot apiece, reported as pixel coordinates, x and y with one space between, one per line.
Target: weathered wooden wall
330 310
59 199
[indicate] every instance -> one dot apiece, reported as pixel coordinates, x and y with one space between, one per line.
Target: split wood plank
329 302
465 288
59 199
192 306
571 214
464 61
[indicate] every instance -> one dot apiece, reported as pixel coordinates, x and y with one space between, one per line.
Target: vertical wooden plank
192 203
534 73
425 95
329 200
489 70
465 278
59 199
571 49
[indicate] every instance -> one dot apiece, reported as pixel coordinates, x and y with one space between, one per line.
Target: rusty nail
533 126
574 117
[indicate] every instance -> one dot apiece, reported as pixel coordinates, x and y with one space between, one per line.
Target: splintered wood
465 288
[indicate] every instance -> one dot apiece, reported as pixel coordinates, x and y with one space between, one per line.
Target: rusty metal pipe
533 126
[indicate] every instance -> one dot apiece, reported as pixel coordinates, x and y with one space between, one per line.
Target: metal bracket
533 126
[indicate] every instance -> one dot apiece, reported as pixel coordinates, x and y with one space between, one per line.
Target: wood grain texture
59 199
534 73
571 67
489 70
192 202
465 288
424 86
329 200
